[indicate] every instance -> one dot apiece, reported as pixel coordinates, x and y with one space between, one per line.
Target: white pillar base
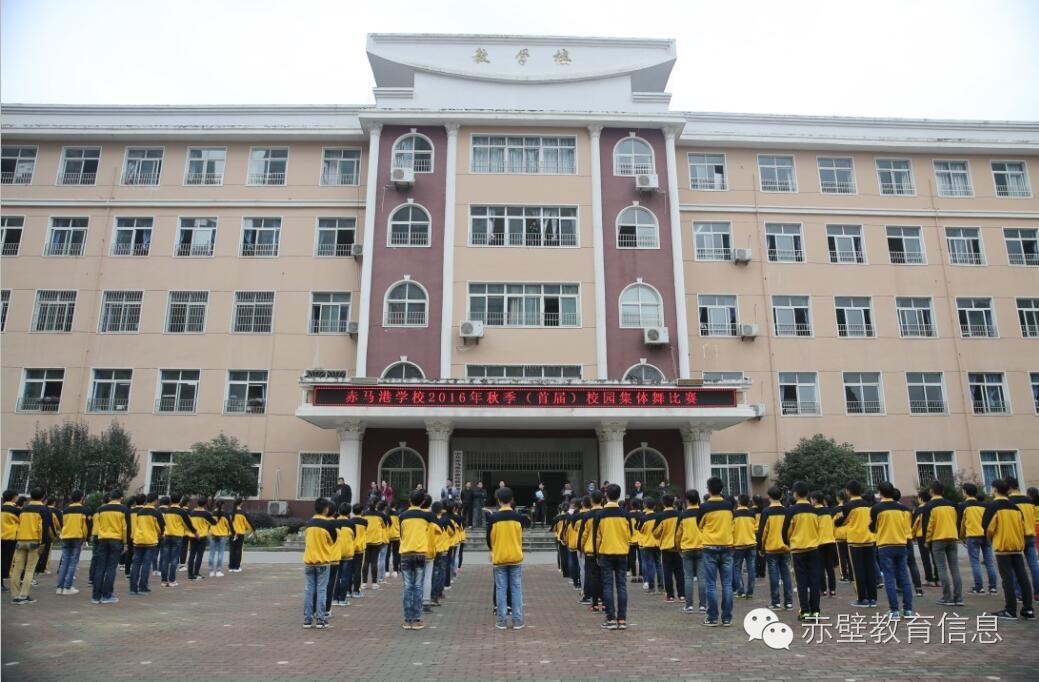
351 434
611 452
439 469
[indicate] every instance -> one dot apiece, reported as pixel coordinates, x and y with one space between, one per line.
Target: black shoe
1002 615
1027 615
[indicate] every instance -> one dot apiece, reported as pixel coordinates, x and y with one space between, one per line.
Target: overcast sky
913 58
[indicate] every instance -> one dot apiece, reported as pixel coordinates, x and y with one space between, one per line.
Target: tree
113 460
221 465
822 463
59 457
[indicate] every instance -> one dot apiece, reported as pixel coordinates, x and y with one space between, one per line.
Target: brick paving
247 627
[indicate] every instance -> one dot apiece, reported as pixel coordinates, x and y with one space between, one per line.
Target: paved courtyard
247 627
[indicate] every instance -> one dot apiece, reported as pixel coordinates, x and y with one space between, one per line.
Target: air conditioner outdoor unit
357 250
352 327
759 410
278 508
403 177
742 255
471 329
759 471
647 182
655 336
748 331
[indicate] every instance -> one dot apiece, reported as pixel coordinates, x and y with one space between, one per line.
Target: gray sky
914 58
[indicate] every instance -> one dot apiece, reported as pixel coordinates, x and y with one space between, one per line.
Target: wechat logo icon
764 624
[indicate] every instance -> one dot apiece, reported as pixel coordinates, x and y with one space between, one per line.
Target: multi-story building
519 264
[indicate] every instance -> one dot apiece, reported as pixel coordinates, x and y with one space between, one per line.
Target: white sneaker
71 590
394 574
375 586
364 586
173 584
156 574
645 587
60 590
211 574
220 574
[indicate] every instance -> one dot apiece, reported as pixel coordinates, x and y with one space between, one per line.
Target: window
934 466
987 393
79 165
1034 379
643 373
637 229
964 246
110 390
1011 179
405 306
854 316
1022 246
133 237
414 152
646 465
246 391
926 393
19 464
54 311
261 236
335 236
862 393
5 300
403 371
253 312
777 173
403 469
205 166
41 390
791 315
1028 316
267 166
524 305
523 372
998 464
733 470
783 243
67 237
717 315
798 393
318 472
143 166
409 226
712 241
953 178
878 468
329 312
633 156
186 312
915 318
120 312
340 166
641 307
178 390
707 171
975 315
11 231
845 243
522 226
905 245
196 237
895 177
160 467
836 176
16 165
533 154
724 378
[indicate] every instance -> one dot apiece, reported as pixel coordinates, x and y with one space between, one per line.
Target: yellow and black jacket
744 528
770 530
34 523
972 510
801 527
664 531
648 528
360 526
148 526
319 542
854 517
240 524
715 521
1005 523
611 531
75 524
112 522
10 521
587 538
505 536
433 533
345 540
57 520
941 520
414 531
393 532
376 528
1029 510
890 522
826 530
221 525
687 531
178 522
201 521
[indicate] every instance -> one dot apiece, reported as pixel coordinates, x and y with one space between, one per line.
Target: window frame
234 309
322 465
126 309
1028 330
125 174
643 365
180 382
432 152
644 448
380 469
928 410
800 255
726 250
1024 256
978 259
357 169
506 295
933 463
775 321
506 241
908 169
725 171
248 383
5 305
14 174
932 322
187 166
1033 381
733 326
869 322
249 175
840 229
618 169
523 366
116 229
1024 171
407 302
276 243
797 384
191 254
344 322
5 229
867 461
402 363
880 410
92 401
997 451
851 171
938 183
992 326
65 251
639 210
505 154
188 305
63 159
390 222
318 229
1007 410
24 379
34 323
793 174
661 317
906 260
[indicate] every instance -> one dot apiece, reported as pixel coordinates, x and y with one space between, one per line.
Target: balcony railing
630 168
44 404
422 164
195 250
714 254
139 178
251 406
111 404
717 182
77 178
965 257
259 249
204 179
793 330
124 249
897 188
409 238
338 178
800 407
778 186
523 239
865 407
855 329
558 168
786 256
989 407
630 241
1024 258
12 178
846 257
838 187
921 330
63 249
501 319
333 249
927 406
1006 191
174 405
266 178
405 319
909 257
719 329
11 248
949 191
972 330
329 326
1030 330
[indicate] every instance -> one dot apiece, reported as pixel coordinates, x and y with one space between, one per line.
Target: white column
351 434
696 446
368 237
447 298
439 469
678 266
598 252
611 452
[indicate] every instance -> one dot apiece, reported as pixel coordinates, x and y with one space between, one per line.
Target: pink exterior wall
377 442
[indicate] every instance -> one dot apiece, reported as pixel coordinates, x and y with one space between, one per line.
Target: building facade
520 264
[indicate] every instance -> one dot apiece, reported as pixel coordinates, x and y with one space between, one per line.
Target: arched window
632 156
647 465
405 305
413 151
409 226
637 229
641 307
403 371
644 374
403 469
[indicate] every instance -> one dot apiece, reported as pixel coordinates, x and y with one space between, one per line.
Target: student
360 527
582 515
433 532
979 550
219 533
941 523
650 548
854 516
240 527
1031 518
384 549
777 552
393 555
827 543
9 533
801 534
201 522
715 522
634 562
75 530
670 559
611 537
112 528
148 527
179 530
914 570
436 591
892 524
1004 525
34 523
319 551
690 544
53 533
745 550
922 500
132 502
344 580
570 533
505 540
840 537
375 538
592 575
414 541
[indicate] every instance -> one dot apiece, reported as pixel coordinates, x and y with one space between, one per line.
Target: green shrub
268 537
293 524
261 519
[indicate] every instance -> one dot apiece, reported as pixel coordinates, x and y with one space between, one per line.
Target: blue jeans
411 568
141 567
692 567
381 572
979 550
439 565
216 551
70 550
744 556
345 579
105 567
893 562
717 565
649 568
614 574
779 570
169 557
315 593
509 579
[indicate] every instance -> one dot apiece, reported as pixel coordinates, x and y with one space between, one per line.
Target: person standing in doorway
637 492
567 493
343 492
388 493
479 502
449 493
539 505
467 504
